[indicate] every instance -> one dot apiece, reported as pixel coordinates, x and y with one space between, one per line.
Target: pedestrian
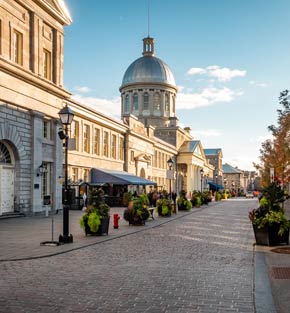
85 201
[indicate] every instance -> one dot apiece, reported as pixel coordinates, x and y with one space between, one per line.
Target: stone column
37 158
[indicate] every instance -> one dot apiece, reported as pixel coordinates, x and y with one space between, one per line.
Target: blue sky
230 60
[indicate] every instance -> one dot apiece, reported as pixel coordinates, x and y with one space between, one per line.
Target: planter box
103 228
268 235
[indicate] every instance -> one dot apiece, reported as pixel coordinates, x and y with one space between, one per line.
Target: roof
102 176
189 146
228 169
148 69
212 151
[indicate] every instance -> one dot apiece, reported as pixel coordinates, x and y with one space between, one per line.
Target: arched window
5 156
127 104
146 101
156 102
135 102
167 105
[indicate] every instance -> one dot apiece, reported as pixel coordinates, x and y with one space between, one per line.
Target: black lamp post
170 164
201 179
66 116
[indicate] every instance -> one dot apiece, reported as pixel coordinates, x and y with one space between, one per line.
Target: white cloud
82 89
110 107
222 74
206 97
258 84
196 70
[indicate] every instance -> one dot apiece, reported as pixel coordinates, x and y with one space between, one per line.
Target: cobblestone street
202 262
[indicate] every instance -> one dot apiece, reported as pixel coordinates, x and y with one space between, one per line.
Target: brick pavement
200 262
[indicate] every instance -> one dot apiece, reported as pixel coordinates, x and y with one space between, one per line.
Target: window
86 137
5 156
155 159
47 69
17 47
74 174
46 129
135 101
156 101
132 156
97 141
146 101
46 180
167 106
114 146
75 133
86 175
127 104
121 148
106 144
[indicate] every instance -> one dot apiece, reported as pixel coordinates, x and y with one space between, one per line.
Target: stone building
32 94
233 178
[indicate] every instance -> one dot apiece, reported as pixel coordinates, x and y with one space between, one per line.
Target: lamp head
66 115
170 163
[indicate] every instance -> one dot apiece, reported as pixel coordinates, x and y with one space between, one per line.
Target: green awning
104 176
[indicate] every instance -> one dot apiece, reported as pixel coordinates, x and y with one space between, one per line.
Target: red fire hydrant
116 221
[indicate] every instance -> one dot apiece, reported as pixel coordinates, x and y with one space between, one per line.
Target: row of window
146 100
17 48
76 174
100 142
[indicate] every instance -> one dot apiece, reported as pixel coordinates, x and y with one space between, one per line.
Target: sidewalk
272 271
20 237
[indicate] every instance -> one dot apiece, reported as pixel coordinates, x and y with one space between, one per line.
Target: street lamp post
66 116
170 164
201 179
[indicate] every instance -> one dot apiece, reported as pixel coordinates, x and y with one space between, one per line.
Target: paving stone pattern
202 262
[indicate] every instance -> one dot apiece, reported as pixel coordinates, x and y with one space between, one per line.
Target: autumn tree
275 153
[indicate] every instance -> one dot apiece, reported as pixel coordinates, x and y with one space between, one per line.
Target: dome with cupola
148 69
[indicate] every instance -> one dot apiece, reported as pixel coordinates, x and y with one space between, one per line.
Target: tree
275 153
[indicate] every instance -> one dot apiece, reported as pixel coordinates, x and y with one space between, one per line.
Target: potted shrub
164 205
96 218
127 198
196 199
270 224
182 202
137 213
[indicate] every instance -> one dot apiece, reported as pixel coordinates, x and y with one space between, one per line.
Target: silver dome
148 69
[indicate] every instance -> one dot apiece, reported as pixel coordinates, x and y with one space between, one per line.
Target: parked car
249 195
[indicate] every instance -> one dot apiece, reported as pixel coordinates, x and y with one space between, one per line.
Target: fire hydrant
116 221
